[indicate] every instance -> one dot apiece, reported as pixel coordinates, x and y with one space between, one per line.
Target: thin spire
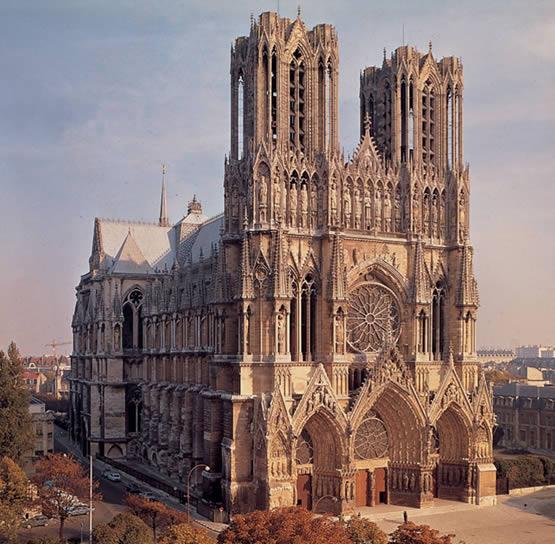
164 221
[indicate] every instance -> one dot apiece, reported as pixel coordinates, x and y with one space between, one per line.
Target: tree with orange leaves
61 483
410 533
283 526
155 514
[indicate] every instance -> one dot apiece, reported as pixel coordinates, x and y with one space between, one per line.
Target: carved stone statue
293 203
277 200
281 333
435 219
339 334
304 206
367 210
378 208
263 199
314 205
462 218
333 203
347 204
415 212
397 211
358 209
387 211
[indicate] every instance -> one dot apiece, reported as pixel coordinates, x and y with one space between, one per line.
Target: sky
96 95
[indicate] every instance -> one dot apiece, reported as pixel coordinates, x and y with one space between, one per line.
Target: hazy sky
95 95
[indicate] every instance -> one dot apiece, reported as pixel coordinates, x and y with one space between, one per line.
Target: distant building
532 375
43 424
495 355
47 375
534 352
526 414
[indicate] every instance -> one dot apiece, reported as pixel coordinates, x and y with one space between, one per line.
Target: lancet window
438 321
303 319
240 115
132 320
428 117
297 102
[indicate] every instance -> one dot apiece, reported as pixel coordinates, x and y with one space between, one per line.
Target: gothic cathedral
315 343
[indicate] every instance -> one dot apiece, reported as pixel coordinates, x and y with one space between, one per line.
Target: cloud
99 94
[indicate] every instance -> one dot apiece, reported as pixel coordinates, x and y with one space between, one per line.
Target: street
112 503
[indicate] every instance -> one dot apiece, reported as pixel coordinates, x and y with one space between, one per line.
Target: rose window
371 439
371 305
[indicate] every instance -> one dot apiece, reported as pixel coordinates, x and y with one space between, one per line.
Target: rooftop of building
523 390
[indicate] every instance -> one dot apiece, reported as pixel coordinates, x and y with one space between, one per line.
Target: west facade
315 343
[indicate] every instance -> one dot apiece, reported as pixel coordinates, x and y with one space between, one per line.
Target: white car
112 476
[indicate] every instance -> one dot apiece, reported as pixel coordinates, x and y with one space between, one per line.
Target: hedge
526 470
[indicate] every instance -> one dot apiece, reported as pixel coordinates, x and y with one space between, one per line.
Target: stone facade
526 416
317 339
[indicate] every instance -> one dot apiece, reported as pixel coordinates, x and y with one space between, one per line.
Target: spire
337 276
367 124
467 293
421 285
164 221
246 279
280 286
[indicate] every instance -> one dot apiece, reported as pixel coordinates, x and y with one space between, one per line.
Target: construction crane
55 344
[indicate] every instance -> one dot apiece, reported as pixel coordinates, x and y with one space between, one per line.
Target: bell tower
415 106
284 85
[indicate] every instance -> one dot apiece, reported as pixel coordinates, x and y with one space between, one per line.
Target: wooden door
304 491
380 489
362 497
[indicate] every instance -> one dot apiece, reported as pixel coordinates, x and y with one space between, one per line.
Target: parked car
112 476
150 496
36 521
80 510
133 489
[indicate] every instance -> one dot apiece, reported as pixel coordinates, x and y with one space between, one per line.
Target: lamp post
188 488
334 499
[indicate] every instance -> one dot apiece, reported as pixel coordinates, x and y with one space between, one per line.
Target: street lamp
188 488
334 499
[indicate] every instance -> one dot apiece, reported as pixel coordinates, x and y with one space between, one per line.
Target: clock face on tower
371 306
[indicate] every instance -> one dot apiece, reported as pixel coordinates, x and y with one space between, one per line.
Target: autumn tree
155 514
283 526
124 528
61 483
410 533
16 431
14 488
185 533
363 531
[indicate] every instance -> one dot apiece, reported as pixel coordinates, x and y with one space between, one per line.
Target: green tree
125 528
362 531
410 533
283 526
16 431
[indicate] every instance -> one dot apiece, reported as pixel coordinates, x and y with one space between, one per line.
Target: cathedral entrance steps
393 513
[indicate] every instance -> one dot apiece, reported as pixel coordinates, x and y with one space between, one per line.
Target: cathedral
315 343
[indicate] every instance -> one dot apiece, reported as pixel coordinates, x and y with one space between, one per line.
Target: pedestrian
405 517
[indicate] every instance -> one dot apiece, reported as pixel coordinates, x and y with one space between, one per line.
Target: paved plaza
529 519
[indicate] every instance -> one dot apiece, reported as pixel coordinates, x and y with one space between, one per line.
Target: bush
283 526
362 531
524 471
410 533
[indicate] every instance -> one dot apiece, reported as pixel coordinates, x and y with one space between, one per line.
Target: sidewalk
394 514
